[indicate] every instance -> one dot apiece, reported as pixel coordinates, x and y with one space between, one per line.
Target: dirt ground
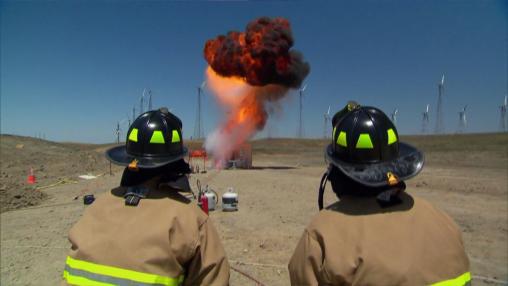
466 175
52 164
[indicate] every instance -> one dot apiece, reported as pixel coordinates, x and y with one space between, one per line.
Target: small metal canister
212 197
230 200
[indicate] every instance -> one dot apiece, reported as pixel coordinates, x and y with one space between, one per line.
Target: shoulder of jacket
423 205
320 221
105 197
428 208
190 210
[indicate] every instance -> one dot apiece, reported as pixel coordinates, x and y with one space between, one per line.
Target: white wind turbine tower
326 120
118 129
425 119
141 102
394 116
462 120
503 124
300 119
198 126
269 131
117 132
149 99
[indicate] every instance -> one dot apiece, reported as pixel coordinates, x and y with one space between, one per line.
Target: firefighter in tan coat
376 234
145 232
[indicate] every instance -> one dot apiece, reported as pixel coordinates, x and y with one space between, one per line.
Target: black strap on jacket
322 186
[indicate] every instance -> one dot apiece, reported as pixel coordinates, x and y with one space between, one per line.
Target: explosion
248 71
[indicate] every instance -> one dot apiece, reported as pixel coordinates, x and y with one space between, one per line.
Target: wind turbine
118 129
439 113
128 121
198 128
141 102
503 120
149 99
326 120
394 116
300 119
462 120
425 119
117 132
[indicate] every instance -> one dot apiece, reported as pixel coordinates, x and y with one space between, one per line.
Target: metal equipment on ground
199 153
241 158
230 200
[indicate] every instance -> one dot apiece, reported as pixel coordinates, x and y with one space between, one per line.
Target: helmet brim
407 165
118 155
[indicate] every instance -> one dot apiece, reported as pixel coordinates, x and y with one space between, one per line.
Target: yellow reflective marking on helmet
134 135
175 138
342 139
157 137
392 138
364 142
459 281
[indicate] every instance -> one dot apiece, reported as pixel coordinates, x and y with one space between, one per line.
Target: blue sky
72 69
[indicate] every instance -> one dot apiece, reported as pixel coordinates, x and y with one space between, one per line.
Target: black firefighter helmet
366 148
154 139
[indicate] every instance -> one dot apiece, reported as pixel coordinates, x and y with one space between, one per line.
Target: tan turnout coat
165 240
356 242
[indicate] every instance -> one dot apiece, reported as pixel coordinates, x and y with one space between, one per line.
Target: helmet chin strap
322 186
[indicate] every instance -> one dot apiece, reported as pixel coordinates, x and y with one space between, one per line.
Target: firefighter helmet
154 139
366 148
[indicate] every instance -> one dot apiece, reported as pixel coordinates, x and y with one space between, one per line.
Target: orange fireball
244 107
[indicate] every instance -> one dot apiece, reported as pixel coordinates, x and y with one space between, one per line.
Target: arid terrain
465 175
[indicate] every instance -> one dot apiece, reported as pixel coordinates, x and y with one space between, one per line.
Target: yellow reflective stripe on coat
459 281
77 280
98 270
